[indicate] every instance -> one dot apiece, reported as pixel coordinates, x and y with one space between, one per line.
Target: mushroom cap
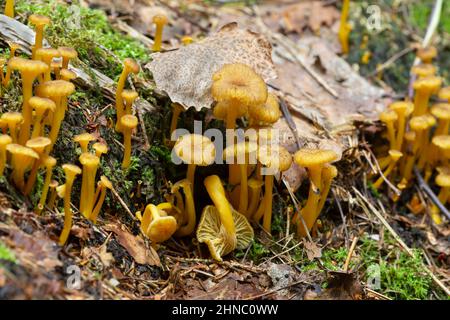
162 228
267 113
89 159
131 65
28 66
17 149
68 52
444 93
38 144
129 95
212 232
39 20
49 161
238 82
47 53
410 136
55 88
443 180
424 70
419 123
67 74
60 190
71 169
307 157
441 111
427 53
244 147
275 157
42 104
402 107
330 171
221 108
129 121
12 117
195 149
100 147
388 116
159 19
84 137
5 140
442 141
106 182
53 184
395 155
428 84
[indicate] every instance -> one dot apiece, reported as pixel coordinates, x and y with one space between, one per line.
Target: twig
426 188
399 240
124 205
287 115
391 60
350 253
344 222
275 290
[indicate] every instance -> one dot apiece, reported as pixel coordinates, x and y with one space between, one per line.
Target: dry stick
399 240
344 222
287 115
288 44
275 290
391 60
124 205
350 253
426 188
394 189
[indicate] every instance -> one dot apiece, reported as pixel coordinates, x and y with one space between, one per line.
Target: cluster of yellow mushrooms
239 92
418 134
29 136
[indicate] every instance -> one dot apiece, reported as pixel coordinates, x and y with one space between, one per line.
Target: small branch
124 205
287 115
350 253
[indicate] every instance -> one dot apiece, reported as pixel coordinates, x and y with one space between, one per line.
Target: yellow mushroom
104 184
427 54
395 155
444 94
403 110
159 20
255 186
418 125
46 55
22 158
38 145
329 172
157 225
9 8
52 198
39 22
49 162
129 66
389 117
424 88
423 70
187 226
67 54
13 120
83 139
13 46
56 66
67 75
344 27
71 171
265 114
100 148
443 181
176 111
443 143
41 106
221 228
129 96
128 124
4 141
90 164
442 112
186 40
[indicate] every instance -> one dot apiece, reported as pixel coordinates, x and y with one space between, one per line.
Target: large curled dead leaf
186 74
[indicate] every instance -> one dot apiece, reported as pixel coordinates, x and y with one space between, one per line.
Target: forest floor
368 246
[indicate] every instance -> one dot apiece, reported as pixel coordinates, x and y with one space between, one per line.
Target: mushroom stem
9 8
58 117
176 111
391 134
255 192
127 149
243 195
70 177
190 175
7 77
344 27
27 86
401 131
189 227
43 199
309 212
52 199
217 193
420 103
444 193
267 219
99 205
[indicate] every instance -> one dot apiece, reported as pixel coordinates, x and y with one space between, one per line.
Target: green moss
88 31
256 253
6 254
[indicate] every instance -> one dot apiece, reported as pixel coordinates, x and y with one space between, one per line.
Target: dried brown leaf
186 74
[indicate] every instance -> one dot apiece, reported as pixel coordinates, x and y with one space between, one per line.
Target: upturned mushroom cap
161 228
402 107
131 65
442 142
419 123
89 159
55 88
47 53
67 52
159 19
430 119
428 84
12 117
39 20
275 157
444 93
67 75
388 116
28 66
5 140
53 184
129 95
424 70
240 83
443 180
49 161
18 150
427 54
84 137
129 121
395 155
38 144
441 111
212 232
267 113
42 104
71 169
307 157
195 149
100 147
106 182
